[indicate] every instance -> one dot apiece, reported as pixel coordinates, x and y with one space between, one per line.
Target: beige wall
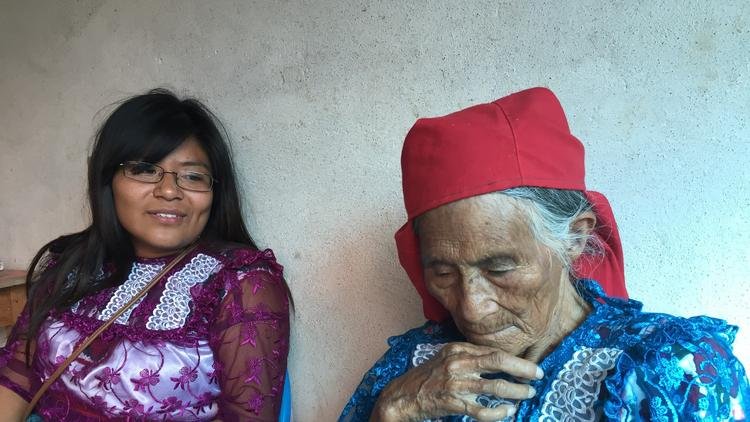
318 95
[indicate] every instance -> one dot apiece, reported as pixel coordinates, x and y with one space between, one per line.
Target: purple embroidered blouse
210 341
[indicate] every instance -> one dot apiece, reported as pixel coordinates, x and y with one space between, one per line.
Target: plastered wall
317 96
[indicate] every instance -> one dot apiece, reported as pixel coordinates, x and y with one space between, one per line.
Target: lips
493 331
167 216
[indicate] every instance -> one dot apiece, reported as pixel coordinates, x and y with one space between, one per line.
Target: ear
583 225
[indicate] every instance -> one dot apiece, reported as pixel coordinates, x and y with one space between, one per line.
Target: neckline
156 260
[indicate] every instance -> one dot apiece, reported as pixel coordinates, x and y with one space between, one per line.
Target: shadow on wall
364 298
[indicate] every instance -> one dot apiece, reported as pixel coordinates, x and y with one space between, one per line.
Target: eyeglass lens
152 173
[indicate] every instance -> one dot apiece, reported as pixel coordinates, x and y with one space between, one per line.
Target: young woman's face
163 218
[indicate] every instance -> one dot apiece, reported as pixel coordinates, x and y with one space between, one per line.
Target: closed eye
498 272
442 271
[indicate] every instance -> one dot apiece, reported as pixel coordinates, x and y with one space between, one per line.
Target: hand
450 383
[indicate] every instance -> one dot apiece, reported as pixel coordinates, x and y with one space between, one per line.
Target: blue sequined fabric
620 364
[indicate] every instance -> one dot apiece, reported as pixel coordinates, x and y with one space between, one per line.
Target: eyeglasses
151 173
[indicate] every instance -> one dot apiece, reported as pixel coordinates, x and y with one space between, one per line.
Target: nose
167 187
477 299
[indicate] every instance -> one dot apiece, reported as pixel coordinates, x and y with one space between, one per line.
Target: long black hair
146 128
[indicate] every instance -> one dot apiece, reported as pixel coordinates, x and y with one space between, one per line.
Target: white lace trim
174 304
139 276
576 387
424 352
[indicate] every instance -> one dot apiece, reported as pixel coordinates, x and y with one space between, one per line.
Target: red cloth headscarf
519 140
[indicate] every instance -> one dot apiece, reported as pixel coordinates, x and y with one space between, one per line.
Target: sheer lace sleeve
688 373
14 374
251 338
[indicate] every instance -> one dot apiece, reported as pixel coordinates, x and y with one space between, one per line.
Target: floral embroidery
658 410
213 376
171 403
108 377
254 367
255 404
671 373
99 402
133 407
187 375
249 333
148 378
204 401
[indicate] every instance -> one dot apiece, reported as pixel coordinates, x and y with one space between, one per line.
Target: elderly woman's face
483 264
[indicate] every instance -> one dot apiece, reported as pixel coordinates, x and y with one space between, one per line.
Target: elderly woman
507 250
209 337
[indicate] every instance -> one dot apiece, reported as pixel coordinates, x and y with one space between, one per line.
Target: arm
251 342
16 379
685 378
12 404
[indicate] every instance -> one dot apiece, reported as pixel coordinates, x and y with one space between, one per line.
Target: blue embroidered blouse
620 364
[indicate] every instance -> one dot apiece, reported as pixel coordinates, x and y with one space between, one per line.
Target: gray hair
551 213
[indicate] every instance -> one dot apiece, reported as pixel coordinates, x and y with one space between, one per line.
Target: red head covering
519 140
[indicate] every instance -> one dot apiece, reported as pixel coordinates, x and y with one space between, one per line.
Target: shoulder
248 276
683 367
238 257
677 335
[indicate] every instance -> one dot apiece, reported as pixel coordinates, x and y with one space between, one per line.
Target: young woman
209 340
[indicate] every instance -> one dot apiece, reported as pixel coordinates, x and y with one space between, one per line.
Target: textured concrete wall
318 95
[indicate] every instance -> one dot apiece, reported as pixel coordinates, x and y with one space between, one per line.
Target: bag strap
60 369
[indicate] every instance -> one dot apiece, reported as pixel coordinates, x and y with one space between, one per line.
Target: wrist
385 411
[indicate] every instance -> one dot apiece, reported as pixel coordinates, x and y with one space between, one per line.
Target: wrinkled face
482 263
163 218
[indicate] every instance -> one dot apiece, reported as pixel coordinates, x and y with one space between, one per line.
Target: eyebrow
494 259
483 262
432 262
194 163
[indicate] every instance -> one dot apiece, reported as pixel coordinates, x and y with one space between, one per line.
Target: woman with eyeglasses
208 340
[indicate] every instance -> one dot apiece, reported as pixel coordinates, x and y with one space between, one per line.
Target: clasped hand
450 383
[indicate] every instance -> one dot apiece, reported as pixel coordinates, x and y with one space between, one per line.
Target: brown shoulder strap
60 369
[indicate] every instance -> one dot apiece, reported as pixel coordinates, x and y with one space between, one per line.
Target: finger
498 388
462 348
495 360
507 389
469 348
485 414
500 361
469 407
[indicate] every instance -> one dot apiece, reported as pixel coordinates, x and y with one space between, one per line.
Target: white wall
318 96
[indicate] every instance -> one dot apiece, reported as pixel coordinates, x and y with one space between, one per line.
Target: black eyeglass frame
124 165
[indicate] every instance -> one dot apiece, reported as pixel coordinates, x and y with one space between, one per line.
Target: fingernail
532 392
511 411
539 373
